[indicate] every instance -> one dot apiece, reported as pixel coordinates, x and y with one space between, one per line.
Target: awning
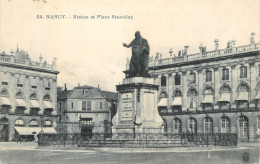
257 97
208 99
47 105
163 102
49 130
176 101
4 101
34 104
20 103
27 130
225 97
242 96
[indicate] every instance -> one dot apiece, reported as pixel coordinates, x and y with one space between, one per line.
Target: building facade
28 95
86 110
211 91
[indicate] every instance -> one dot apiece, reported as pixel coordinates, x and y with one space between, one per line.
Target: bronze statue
140 55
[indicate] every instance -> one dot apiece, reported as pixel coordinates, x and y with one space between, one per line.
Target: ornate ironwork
134 140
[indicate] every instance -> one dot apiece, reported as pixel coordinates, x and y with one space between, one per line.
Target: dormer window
85 93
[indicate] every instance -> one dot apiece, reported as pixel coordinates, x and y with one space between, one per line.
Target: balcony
27 62
205 55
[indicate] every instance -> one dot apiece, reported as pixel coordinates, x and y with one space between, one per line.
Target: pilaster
184 82
234 85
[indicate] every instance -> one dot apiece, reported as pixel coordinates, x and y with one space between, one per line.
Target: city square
109 88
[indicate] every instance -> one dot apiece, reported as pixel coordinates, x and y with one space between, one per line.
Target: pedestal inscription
127 110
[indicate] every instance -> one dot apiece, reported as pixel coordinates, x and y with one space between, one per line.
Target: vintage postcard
141 81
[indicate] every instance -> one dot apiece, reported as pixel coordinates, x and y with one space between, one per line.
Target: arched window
225 74
242 88
19 95
243 96
243 127
192 92
163 81
19 122
243 72
177 79
208 125
86 92
225 89
33 96
177 93
4 120
163 94
47 123
208 91
193 103
176 126
47 98
208 76
4 93
225 124
192 123
34 123
224 100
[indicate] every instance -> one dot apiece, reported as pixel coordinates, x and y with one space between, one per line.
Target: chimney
65 87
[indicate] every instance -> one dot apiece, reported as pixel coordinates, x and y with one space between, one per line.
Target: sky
90 52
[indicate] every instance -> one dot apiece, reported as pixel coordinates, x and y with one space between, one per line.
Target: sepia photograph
129 82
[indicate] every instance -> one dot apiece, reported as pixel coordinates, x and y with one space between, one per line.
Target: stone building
85 110
28 92
210 91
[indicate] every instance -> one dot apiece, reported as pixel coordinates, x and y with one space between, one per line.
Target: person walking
19 139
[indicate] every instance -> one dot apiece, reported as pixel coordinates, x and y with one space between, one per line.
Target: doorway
4 130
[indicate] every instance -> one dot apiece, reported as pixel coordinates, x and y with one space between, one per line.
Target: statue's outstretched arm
127 45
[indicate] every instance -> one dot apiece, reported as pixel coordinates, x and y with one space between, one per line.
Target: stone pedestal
137 110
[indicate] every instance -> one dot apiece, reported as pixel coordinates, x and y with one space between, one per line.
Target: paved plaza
11 152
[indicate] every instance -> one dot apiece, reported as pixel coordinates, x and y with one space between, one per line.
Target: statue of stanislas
140 55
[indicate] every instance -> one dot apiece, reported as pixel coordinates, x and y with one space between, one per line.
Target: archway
4 129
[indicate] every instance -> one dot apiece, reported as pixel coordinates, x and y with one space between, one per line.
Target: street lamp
42 122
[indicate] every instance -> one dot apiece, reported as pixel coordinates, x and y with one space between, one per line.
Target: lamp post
42 123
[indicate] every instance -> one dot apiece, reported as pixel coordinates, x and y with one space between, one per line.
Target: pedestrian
35 138
19 139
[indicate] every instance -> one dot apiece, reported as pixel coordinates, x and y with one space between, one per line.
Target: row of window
4 93
208 125
192 76
34 83
208 90
85 105
33 123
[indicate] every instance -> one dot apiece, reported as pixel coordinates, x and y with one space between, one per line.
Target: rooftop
110 95
183 56
82 92
22 59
